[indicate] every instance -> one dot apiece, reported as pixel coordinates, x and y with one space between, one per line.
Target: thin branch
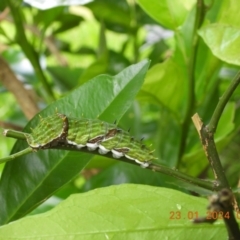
134 30
14 134
10 125
184 177
16 87
206 134
48 40
211 152
4 14
16 155
200 13
50 44
212 126
154 167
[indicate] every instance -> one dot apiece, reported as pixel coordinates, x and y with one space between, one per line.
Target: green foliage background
90 60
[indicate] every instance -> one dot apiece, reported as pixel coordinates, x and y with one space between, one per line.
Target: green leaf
229 13
223 40
169 128
66 77
166 82
170 14
97 67
120 21
120 212
166 86
47 17
226 123
29 180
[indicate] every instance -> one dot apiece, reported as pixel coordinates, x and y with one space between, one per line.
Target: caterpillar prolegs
59 130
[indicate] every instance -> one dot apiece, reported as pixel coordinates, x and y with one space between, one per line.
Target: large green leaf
119 212
169 13
223 40
29 180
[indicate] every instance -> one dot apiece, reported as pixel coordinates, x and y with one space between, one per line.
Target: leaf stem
14 134
15 155
212 126
158 168
182 176
213 186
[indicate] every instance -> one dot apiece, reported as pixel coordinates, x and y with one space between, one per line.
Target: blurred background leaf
73 43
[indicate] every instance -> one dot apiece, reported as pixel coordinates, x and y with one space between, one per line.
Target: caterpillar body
58 130
49 132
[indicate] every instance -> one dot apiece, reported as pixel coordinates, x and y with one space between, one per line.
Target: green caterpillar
49 132
59 130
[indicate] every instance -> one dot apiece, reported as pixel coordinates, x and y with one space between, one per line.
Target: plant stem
200 13
15 155
186 178
206 134
27 47
134 30
154 167
213 186
14 134
207 139
212 126
10 81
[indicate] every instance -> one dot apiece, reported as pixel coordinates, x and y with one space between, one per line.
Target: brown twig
211 152
4 14
23 97
50 44
48 40
7 125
